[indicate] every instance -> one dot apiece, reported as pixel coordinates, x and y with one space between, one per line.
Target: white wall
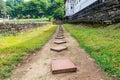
69 7
76 5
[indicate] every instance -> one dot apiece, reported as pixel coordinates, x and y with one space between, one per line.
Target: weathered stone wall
18 27
100 12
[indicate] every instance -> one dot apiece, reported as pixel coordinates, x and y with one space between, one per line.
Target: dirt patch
39 65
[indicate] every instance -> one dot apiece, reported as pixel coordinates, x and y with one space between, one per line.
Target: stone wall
98 12
13 28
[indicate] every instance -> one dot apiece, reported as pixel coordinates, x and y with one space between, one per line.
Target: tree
59 13
19 9
56 9
10 8
32 8
15 8
2 8
35 8
52 1
17 1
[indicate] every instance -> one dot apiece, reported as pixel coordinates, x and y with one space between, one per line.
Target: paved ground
38 65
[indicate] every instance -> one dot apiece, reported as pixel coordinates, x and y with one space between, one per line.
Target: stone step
59 42
59 37
59 48
60 34
60 31
63 66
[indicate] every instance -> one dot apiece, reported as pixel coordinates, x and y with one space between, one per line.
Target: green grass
103 44
13 48
28 20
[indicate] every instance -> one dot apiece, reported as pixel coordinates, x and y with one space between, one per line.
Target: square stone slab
60 31
59 37
59 48
60 34
59 42
63 66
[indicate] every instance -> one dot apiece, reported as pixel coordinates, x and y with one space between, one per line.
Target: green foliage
59 13
10 7
2 8
15 47
35 8
103 44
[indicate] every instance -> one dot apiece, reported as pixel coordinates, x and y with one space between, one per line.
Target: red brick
63 66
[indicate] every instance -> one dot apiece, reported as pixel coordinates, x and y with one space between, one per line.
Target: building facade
74 6
102 11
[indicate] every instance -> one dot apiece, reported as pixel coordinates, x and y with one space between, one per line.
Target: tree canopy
2 8
33 8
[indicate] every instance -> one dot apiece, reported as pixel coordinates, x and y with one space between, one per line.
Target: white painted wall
69 8
74 6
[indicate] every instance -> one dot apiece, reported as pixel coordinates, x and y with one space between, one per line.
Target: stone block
63 66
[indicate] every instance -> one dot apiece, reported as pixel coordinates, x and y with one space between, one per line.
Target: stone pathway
62 65
38 66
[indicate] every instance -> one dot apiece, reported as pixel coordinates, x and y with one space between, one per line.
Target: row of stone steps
61 65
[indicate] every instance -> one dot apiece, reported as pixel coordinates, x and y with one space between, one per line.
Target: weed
103 44
15 47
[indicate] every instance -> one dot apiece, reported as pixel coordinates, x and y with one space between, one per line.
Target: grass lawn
13 48
103 44
27 20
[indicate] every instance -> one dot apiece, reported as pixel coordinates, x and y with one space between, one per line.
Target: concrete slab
59 48
59 42
63 66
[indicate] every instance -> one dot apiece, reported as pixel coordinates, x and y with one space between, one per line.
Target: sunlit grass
12 40
13 48
27 20
103 44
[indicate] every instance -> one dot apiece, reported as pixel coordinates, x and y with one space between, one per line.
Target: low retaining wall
18 27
